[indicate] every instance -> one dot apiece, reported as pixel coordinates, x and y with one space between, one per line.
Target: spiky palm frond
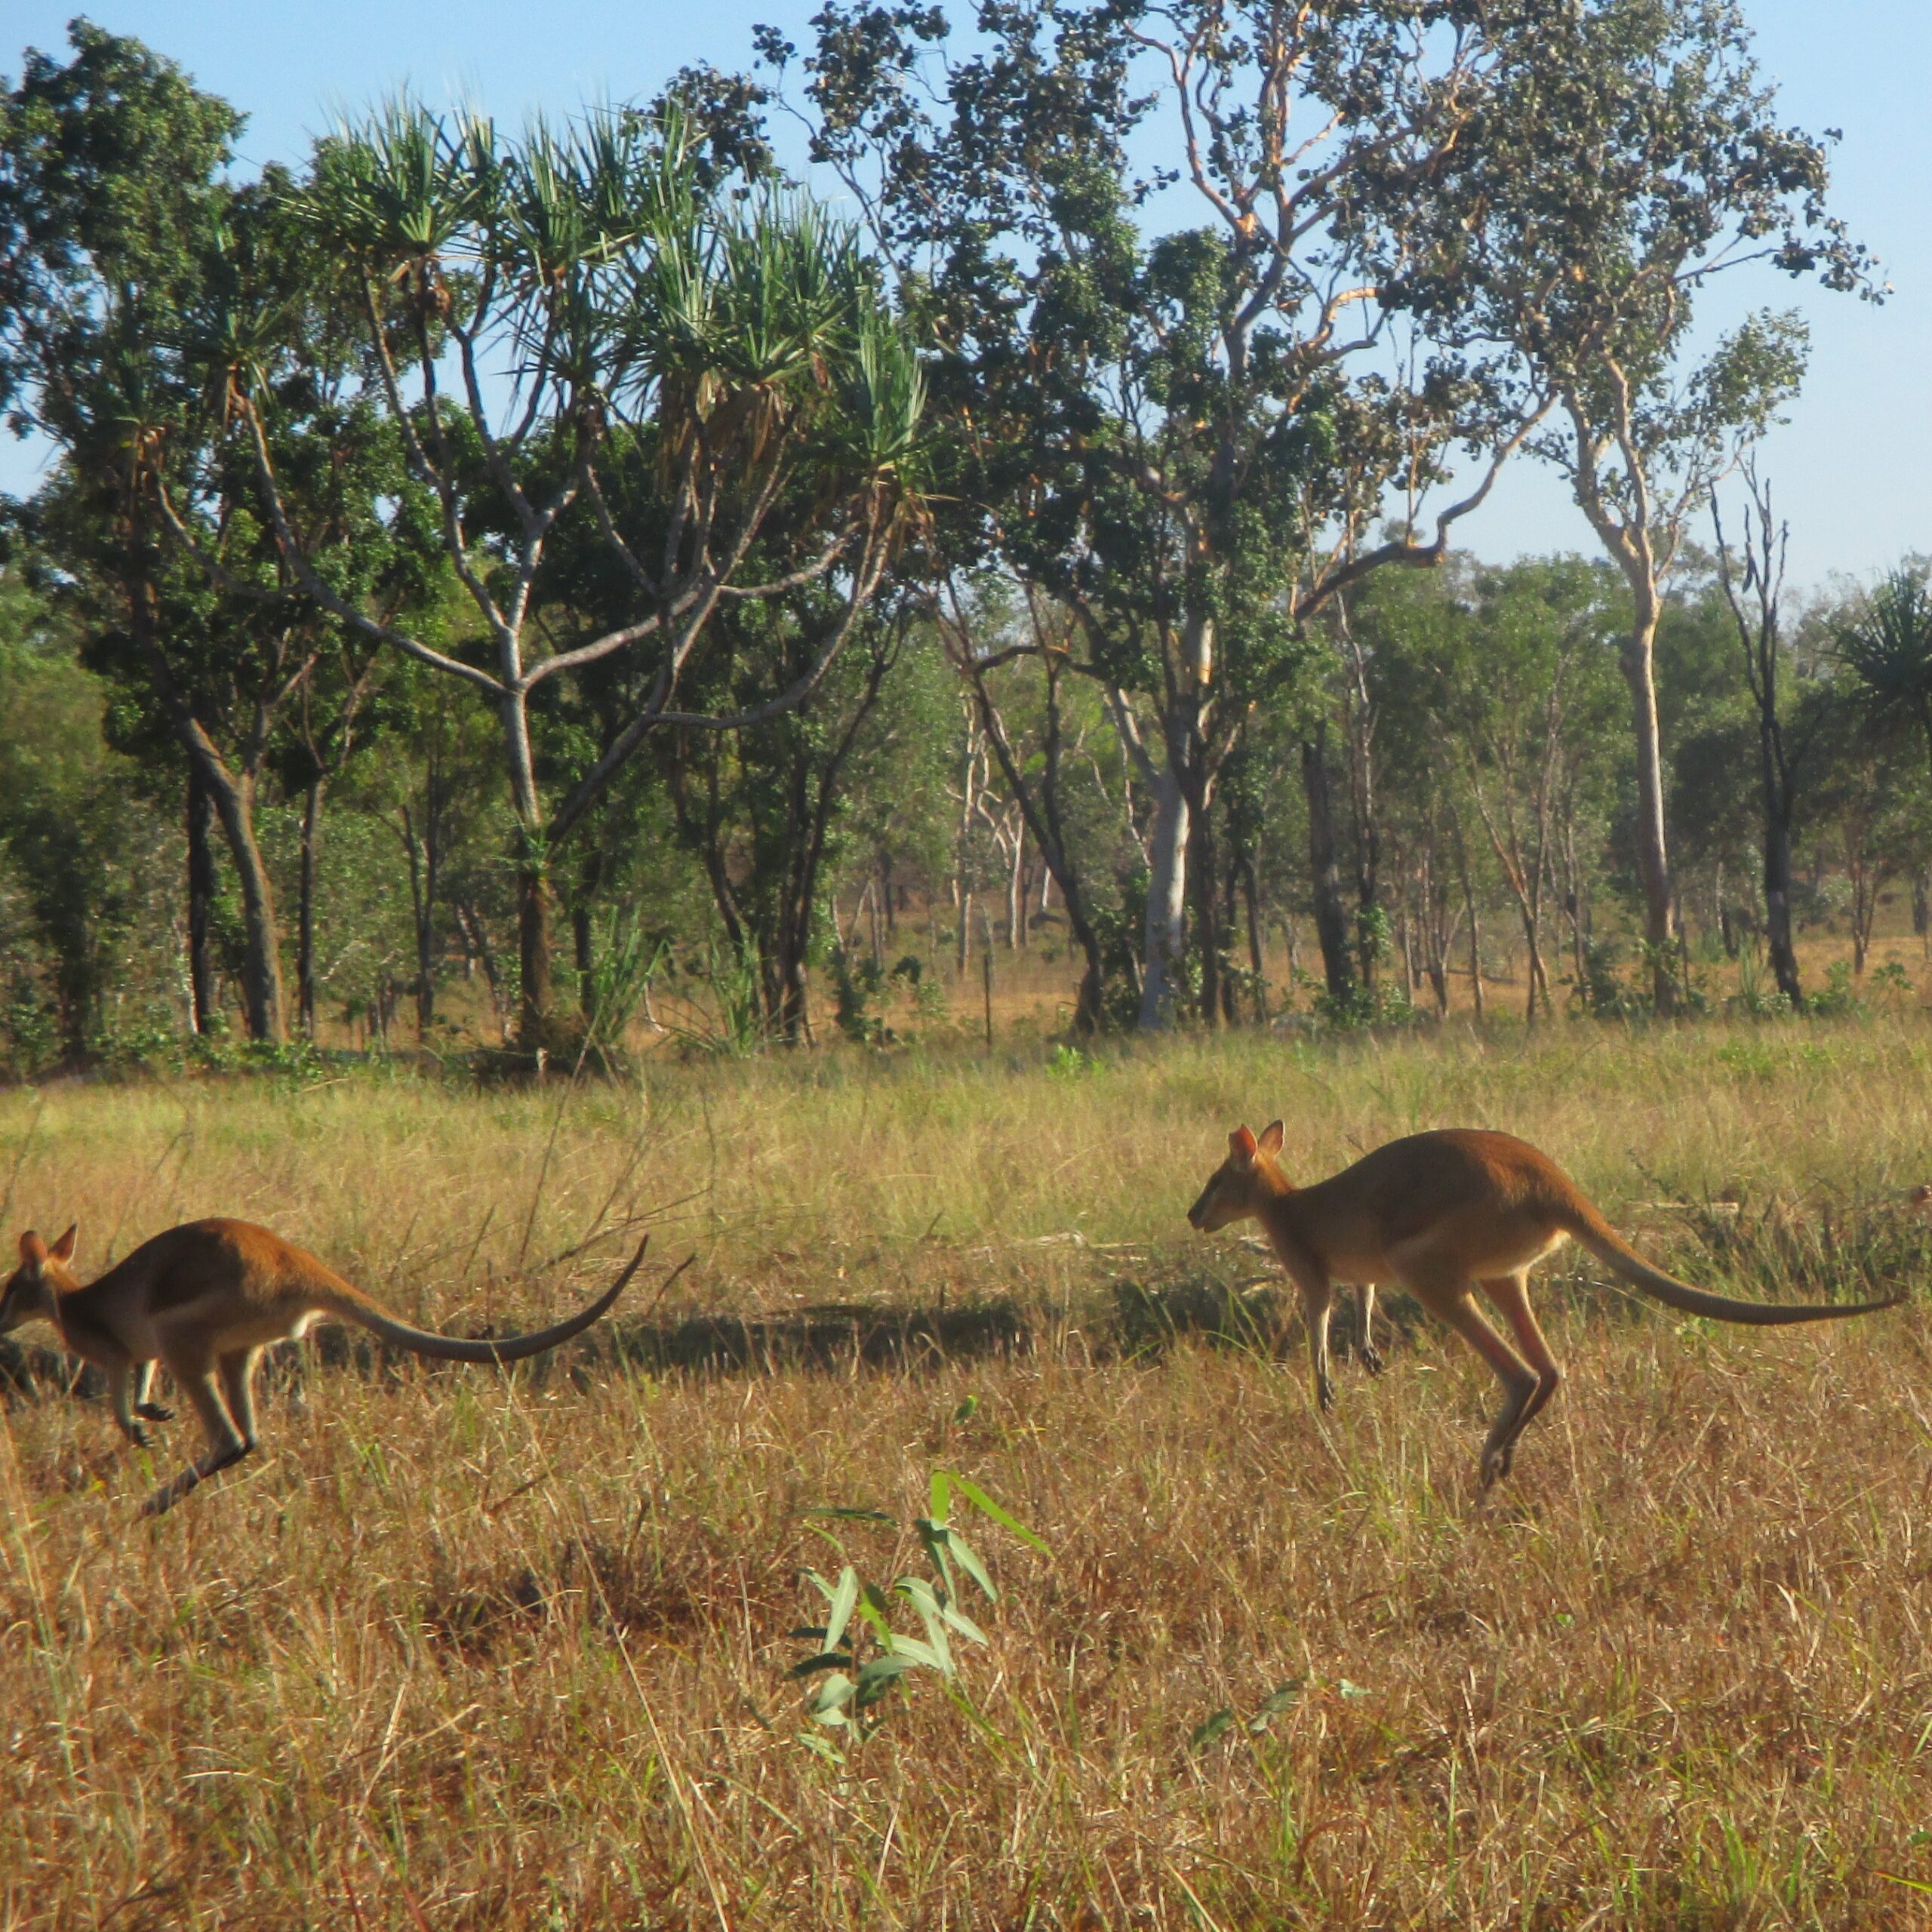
1887 647
400 186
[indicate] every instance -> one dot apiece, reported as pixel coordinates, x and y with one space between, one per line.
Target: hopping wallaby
205 1299
1441 1213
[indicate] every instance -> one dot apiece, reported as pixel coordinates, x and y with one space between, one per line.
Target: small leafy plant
861 1656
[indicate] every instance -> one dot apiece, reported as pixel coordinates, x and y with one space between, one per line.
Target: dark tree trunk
1777 906
1256 958
533 936
305 915
1331 918
261 973
201 888
586 973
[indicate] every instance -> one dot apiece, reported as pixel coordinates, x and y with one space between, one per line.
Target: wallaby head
44 1271
1236 1188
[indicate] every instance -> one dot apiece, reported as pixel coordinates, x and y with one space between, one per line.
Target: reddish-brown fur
1443 1214
205 1299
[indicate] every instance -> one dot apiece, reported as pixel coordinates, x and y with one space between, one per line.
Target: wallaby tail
1596 1234
354 1306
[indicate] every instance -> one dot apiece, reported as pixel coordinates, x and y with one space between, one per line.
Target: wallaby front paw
154 1411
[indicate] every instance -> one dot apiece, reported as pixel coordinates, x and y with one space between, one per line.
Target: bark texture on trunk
305 917
1331 918
201 888
1166 931
262 993
533 938
1639 662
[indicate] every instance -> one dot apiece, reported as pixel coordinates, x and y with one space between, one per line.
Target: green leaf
981 1501
829 1701
843 1599
822 1747
964 1412
879 1676
1216 1726
919 1653
934 1607
841 1515
971 1564
1352 1690
936 1539
940 1489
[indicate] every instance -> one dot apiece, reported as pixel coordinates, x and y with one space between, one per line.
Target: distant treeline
582 562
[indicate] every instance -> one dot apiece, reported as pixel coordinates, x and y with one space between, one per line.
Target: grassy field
463 1649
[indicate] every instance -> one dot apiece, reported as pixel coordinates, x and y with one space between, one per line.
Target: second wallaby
1443 1214
205 1299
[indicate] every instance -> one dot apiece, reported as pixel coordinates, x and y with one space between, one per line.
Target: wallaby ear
1270 1143
62 1249
1240 1144
33 1250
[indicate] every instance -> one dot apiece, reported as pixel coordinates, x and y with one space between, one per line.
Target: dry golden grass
464 1650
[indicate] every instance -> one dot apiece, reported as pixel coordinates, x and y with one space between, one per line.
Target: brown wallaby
1442 1213
205 1299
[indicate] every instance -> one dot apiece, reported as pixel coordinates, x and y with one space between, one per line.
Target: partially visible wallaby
1443 1214
205 1299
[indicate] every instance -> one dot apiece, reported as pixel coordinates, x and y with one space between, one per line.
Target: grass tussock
464 1650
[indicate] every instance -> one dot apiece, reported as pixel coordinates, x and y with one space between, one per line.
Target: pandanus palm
643 367
1887 648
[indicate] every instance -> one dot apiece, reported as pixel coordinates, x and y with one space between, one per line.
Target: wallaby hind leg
144 1404
1510 1296
1371 1356
195 1375
1450 1299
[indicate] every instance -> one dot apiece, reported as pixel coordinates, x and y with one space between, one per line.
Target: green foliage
861 1657
729 1020
627 962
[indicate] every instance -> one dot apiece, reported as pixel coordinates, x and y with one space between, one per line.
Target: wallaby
1441 1213
205 1299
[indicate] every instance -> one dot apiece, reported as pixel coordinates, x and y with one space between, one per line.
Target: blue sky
1848 469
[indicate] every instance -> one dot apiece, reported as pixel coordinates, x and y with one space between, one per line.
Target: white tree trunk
1166 905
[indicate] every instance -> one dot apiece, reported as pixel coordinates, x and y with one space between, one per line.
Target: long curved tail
1588 1227
352 1305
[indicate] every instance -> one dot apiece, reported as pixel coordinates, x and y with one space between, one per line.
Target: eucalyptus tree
1624 157
1754 595
1189 439
142 292
634 351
